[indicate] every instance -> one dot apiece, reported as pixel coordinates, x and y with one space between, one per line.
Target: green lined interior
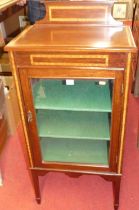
75 151
68 124
73 120
84 95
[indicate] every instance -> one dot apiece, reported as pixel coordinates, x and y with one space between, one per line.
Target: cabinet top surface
50 37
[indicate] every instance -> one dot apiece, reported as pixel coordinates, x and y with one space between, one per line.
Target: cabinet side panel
124 114
16 78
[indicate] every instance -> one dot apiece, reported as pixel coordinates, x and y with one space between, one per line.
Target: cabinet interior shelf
73 120
68 124
84 95
75 151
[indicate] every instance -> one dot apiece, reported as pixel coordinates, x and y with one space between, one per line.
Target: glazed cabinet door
73 117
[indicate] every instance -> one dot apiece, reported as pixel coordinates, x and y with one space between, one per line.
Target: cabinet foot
116 206
38 200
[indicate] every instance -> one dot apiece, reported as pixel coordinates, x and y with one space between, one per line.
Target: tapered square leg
35 181
116 191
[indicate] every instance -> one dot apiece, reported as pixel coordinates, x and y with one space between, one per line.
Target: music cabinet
72 72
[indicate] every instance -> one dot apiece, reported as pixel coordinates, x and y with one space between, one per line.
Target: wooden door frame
75 73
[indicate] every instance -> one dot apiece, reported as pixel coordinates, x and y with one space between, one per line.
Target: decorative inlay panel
70 60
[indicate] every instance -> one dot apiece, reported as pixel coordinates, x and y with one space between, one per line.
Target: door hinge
29 116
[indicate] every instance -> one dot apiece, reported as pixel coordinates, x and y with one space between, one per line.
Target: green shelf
68 124
84 95
75 151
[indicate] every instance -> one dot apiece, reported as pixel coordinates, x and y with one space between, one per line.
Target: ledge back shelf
85 12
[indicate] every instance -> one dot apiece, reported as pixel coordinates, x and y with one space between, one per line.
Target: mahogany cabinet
72 72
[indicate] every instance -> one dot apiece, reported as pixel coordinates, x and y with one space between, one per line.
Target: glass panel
73 119
74 150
